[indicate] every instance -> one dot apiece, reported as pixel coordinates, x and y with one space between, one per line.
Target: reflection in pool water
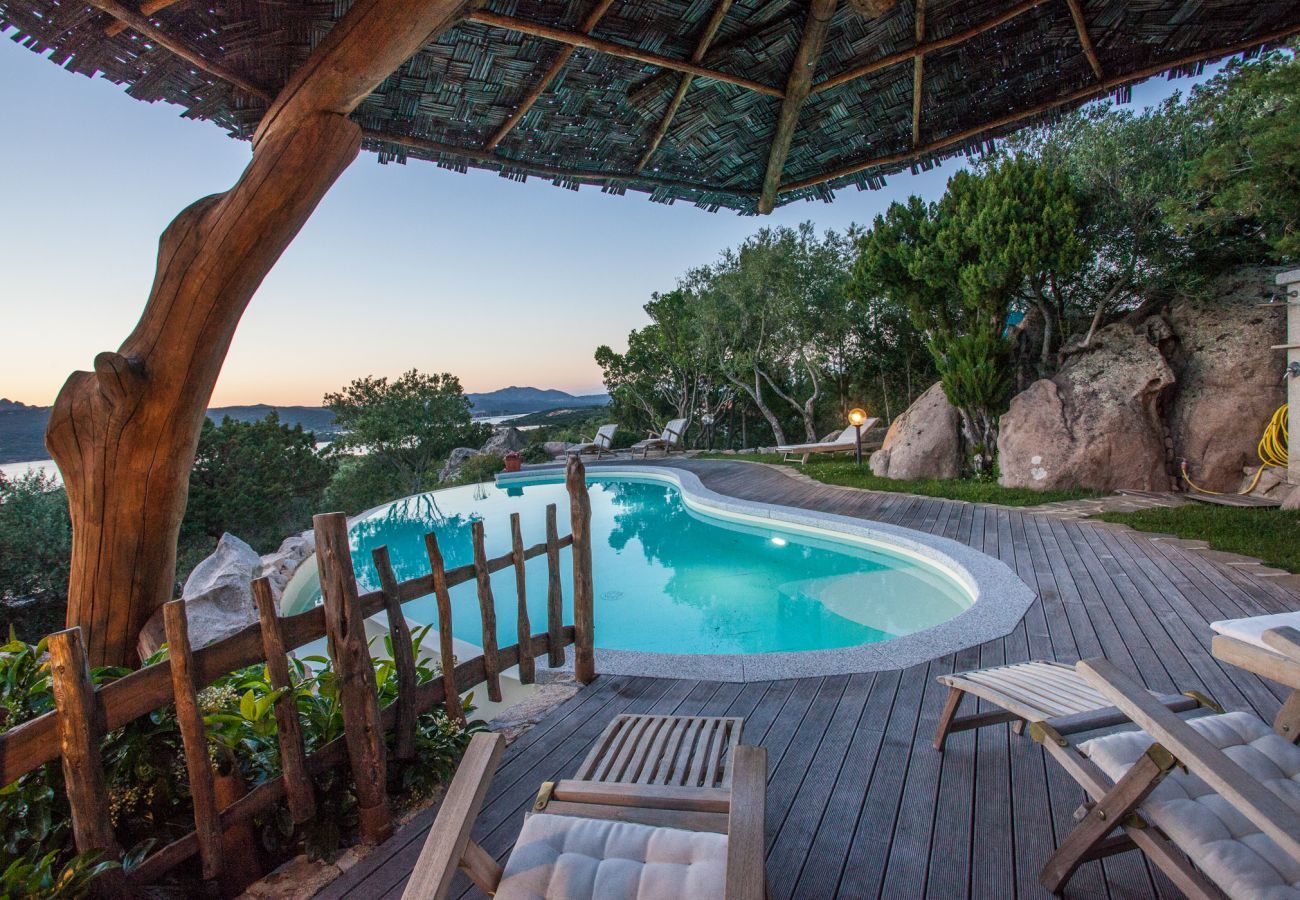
668 578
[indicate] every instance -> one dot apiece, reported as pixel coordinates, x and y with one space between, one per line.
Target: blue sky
401 267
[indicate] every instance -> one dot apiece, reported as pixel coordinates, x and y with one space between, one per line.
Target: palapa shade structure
743 104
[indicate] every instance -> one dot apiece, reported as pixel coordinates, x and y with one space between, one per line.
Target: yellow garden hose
1272 451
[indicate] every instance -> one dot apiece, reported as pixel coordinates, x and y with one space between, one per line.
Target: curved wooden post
124 435
584 657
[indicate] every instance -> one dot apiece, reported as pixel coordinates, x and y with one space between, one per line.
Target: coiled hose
1272 450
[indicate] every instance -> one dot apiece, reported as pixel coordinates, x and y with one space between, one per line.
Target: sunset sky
401 267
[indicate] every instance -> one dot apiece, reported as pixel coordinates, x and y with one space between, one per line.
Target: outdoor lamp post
857 418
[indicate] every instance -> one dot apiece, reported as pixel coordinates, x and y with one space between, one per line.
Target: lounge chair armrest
448 846
1233 783
746 844
1284 640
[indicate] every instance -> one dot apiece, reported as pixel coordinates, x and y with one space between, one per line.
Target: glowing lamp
857 418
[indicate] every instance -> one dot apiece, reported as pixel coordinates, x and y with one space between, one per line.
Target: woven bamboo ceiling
726 103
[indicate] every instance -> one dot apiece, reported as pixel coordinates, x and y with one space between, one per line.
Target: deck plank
859 804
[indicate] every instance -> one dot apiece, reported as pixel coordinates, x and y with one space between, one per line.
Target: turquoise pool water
668 578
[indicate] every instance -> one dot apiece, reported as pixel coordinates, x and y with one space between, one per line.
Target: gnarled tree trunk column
124 435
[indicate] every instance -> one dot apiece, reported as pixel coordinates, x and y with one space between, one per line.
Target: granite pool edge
1001 597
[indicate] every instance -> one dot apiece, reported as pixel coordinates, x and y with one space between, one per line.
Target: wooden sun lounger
1270 661
668 440
843 443
690 775
1242 839
1039 691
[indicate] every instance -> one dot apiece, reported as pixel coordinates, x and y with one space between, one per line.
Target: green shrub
35 553
482 467
535 453
146 778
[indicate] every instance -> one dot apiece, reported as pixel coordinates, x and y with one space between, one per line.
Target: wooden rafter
923 48
797 88
718 53
918 74
684 83
550 33
1081 26
148 8
135 20
545 170
1083 94
552 72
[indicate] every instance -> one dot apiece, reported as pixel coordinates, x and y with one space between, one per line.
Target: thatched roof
987 67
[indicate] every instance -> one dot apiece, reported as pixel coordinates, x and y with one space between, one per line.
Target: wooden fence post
527 665
487 607
80 732
194 739
446 651
584 657
355 674
403 655
554 597
298 786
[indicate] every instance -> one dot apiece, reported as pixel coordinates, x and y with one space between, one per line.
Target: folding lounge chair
1242 643
844 442
1213 801
602 443
1039 691
668 440
606 839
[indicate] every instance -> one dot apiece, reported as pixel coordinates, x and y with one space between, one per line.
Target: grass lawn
843 471
1269 534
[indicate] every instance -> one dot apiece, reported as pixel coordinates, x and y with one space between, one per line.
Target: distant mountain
22 431
514 400
22 427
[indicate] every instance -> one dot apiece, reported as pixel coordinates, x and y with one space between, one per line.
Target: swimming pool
674 575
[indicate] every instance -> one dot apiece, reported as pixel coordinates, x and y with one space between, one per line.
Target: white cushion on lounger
565 858
1251 630
1222 842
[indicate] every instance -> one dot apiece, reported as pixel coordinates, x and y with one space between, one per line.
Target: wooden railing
84 713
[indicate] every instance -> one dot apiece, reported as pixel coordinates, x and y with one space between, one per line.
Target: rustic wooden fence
84 713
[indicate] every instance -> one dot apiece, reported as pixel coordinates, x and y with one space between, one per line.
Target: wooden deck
859 805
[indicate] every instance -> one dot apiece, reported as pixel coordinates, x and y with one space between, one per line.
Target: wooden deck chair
1253 644
844 442
1214 801
605 840
601 444
668 440
1039 691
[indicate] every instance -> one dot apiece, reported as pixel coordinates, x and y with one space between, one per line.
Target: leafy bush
362 482
481 467
535 453
146 778
260 480
35 550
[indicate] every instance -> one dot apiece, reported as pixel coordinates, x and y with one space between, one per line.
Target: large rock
505 440
1097 423
924 442
557 448
218 597
278 567
451 468
1229 383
